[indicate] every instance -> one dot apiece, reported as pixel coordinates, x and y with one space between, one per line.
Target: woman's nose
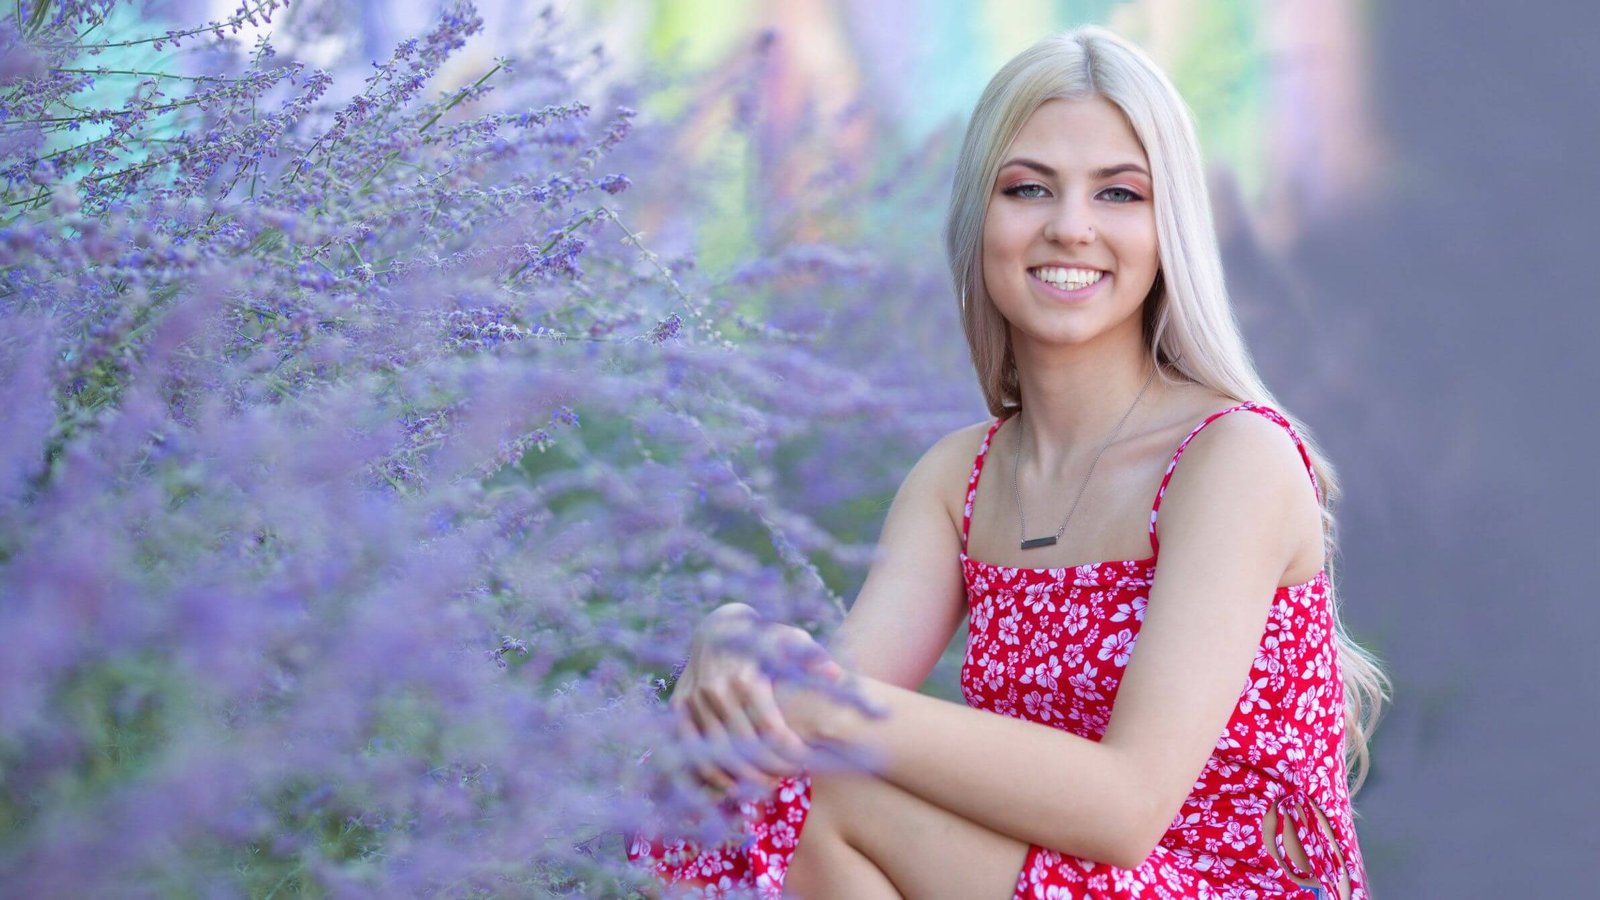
1070 224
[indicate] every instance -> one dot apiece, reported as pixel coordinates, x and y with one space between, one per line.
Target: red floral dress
1050 646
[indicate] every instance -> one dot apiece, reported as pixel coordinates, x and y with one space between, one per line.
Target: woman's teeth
1067 279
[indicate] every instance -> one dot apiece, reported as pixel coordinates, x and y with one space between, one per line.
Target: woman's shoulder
1243 466
1246 431
1208 438
957 451
1200 414
945 468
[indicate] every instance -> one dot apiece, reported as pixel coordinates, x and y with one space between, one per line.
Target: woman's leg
825 866
917 849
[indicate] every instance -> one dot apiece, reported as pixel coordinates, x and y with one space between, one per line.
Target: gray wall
1448 334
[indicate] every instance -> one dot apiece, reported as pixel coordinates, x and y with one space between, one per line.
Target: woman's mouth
1068 281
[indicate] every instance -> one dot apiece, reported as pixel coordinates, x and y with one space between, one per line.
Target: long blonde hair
1189 323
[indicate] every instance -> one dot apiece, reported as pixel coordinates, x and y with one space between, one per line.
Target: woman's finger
744 718
721 743
773 729
710 774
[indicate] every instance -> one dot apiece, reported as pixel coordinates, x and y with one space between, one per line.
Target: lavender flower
365 469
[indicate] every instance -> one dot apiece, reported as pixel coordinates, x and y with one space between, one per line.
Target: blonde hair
1189 323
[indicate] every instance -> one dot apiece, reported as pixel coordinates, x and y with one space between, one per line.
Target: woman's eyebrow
1049 172
1109 171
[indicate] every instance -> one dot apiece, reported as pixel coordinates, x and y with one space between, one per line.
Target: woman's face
1069 242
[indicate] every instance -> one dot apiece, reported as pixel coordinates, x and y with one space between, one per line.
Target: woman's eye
1027 191
1120 195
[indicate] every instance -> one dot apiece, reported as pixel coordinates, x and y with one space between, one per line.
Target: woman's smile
1069 282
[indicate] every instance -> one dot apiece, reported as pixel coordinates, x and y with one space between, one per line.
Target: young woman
1179 711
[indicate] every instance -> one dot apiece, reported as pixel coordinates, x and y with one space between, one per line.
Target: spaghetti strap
1264 411
972 483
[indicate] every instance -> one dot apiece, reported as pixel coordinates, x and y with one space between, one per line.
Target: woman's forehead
1081 133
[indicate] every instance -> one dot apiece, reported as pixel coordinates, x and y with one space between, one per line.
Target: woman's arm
913 597
1233 516
901 621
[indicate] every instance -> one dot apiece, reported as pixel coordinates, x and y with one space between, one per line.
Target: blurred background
1405 194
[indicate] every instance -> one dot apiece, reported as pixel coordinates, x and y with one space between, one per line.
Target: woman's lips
1064 293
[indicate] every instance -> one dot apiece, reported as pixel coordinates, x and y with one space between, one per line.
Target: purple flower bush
366 463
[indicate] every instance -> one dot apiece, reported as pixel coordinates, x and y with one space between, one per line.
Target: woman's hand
724 699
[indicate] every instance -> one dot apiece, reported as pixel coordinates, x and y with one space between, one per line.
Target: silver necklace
1016 468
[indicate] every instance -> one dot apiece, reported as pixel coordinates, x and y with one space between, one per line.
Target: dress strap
1265 411
972 483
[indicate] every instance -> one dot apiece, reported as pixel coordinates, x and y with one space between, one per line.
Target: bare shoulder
953 454
1243 449
958 448
943 471
1249 443
1244 467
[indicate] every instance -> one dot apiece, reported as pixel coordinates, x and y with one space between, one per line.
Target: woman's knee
840 798
825 865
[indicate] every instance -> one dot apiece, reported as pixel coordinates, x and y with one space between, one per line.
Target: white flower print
1269 741
1127 880
1008 628
980 618
1315 634
1040 643
770 882
1086 684
1303 594
1251 698
1317 668
1238 835
1077 618
1264 657
1305 707
1118 647
1072 655
979 584
1043 862
1038 598
1039 706
1094 721
1133 609
994 674
1044 674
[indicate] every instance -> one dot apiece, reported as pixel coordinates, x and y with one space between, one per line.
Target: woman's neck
1072 401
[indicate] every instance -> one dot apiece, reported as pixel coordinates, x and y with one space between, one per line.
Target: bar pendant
1045 541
